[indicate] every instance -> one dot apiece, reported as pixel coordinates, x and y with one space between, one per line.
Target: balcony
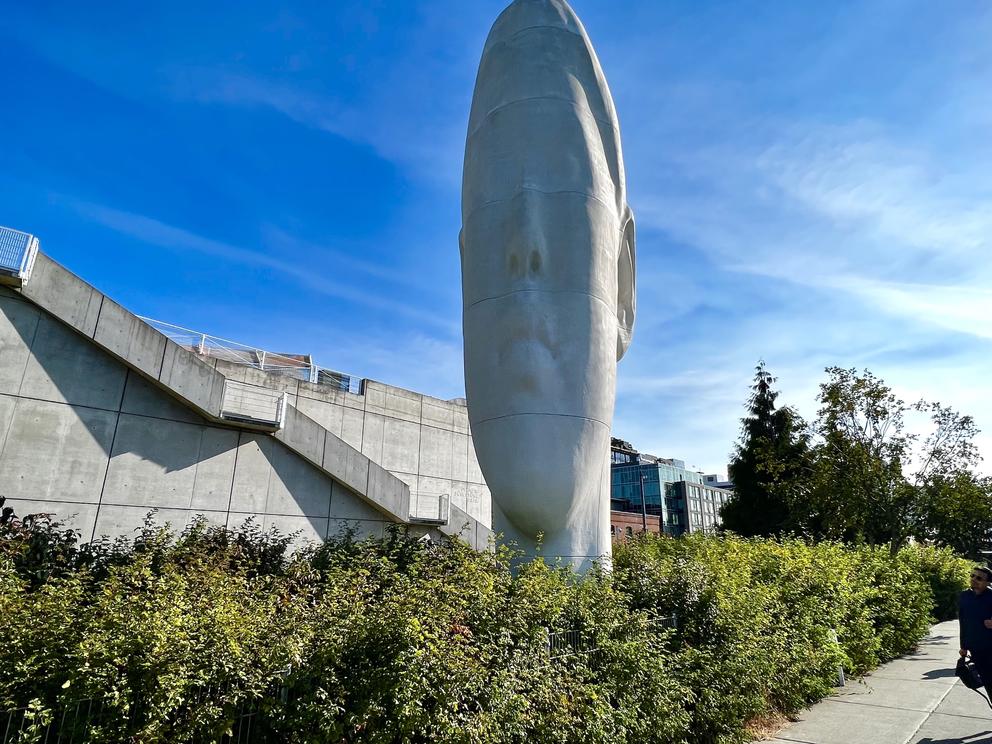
429 508
250 404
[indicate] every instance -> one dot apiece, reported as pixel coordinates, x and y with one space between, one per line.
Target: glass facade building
667 490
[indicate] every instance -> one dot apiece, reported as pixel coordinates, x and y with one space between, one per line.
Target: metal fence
565 643
299 366
70 724
77 722
249 721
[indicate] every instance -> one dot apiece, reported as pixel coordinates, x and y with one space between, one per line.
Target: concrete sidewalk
913 700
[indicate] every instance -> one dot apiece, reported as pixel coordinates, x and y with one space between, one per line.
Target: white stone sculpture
547 248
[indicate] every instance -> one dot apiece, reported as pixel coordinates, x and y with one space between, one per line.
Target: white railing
429 508
18 251
299 366
253 404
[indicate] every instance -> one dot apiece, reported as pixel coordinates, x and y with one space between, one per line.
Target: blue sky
811 183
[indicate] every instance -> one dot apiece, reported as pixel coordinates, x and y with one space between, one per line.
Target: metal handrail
235 352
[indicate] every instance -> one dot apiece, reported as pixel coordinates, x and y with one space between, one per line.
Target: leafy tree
958 510
769 465
871 475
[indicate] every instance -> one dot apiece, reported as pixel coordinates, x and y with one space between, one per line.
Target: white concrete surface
547 249
423 441
103 419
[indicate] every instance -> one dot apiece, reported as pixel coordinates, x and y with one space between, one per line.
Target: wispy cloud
851 241
154 232
285 242
844 210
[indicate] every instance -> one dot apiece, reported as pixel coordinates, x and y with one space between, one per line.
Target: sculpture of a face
548 279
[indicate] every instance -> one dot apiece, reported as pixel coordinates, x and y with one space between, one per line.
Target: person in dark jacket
975 617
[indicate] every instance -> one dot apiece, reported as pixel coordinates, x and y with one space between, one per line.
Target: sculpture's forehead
543 147
528 57
523 14
542 114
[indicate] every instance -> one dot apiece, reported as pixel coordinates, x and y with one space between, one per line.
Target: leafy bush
403 640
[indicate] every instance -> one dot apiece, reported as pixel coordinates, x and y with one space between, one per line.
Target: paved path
913 700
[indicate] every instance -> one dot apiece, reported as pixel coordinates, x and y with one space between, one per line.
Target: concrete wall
423 441
86 438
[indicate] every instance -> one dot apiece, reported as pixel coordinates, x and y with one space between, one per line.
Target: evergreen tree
769 466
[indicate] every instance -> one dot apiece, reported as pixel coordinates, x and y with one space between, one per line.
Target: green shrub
759 618
402 640
946 573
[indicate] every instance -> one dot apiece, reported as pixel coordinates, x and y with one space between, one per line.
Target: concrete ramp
104 417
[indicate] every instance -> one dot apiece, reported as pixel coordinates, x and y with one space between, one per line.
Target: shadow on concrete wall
85 423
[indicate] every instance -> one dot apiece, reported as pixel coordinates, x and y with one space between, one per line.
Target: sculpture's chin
542 468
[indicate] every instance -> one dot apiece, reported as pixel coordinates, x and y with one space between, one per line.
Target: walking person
975 617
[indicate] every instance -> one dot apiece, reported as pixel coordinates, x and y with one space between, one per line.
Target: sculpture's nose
524 265
526 252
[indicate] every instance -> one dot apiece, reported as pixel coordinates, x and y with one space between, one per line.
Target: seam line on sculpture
535 291
534 413
587 112
60 501
490 203
525 29
214 511
10 425
161 362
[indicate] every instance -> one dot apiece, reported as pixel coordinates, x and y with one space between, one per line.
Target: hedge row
399 640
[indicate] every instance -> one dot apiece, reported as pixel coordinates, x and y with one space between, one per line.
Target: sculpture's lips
526 352
540 352
522 363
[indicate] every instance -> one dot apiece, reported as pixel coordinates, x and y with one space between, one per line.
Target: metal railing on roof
17 253
299 366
